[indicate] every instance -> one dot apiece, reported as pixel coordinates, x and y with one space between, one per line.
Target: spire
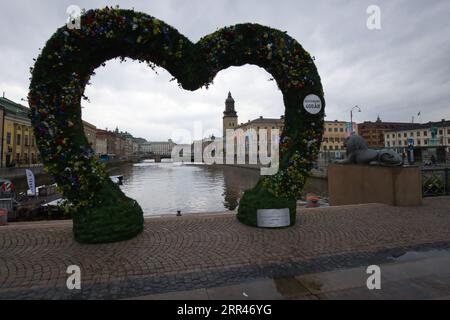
378 118
230 100
229 107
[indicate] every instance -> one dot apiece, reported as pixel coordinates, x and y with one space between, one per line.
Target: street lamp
351 117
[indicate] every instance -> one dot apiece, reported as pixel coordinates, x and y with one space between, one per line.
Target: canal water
164 188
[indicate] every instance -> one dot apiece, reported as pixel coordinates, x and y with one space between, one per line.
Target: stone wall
354 184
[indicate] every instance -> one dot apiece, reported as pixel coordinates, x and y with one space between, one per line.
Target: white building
157 147
427 139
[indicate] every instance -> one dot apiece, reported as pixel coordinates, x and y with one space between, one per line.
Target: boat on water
117 179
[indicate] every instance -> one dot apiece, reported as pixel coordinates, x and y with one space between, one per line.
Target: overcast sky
394 72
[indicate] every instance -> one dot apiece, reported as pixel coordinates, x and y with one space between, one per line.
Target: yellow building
334 135
18 146
90 131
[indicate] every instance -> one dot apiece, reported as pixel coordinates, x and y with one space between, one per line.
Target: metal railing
435 182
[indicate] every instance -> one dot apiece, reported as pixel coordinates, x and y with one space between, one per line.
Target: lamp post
351 117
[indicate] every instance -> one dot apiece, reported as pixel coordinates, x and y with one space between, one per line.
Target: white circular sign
312 104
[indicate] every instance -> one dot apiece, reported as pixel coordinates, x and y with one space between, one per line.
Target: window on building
440 132
405 135
418 142
418 133
17 157
18 139
399 135
325 148
411 134
425 141
26 140
388 144
425 133
8 137
341 129
335 129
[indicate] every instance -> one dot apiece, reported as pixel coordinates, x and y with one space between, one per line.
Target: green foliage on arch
102 213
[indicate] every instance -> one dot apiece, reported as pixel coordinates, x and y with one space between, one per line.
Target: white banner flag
31 182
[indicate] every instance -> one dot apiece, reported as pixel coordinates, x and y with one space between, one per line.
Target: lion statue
359 153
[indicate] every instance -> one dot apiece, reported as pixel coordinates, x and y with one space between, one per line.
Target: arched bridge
155 156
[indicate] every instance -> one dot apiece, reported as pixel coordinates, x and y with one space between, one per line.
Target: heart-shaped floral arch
101 212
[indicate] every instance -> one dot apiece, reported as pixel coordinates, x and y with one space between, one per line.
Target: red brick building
373 132
118 145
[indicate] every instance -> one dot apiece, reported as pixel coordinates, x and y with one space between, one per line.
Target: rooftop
262 120
14 108
157 142
415 126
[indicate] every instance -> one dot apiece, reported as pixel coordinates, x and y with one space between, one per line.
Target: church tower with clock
230 118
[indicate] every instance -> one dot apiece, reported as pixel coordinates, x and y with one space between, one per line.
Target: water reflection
237 180
162 188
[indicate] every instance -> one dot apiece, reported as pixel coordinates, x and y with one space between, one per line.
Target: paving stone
334 280
194 252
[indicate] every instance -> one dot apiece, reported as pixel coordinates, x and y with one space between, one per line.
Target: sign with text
273 218
31 181
312 104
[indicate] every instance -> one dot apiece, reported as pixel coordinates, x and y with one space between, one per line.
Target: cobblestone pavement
191 252
414 275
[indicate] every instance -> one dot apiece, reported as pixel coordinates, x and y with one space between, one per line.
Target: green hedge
260 198
69 59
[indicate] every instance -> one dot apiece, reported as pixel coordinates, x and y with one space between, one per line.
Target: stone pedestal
354 184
